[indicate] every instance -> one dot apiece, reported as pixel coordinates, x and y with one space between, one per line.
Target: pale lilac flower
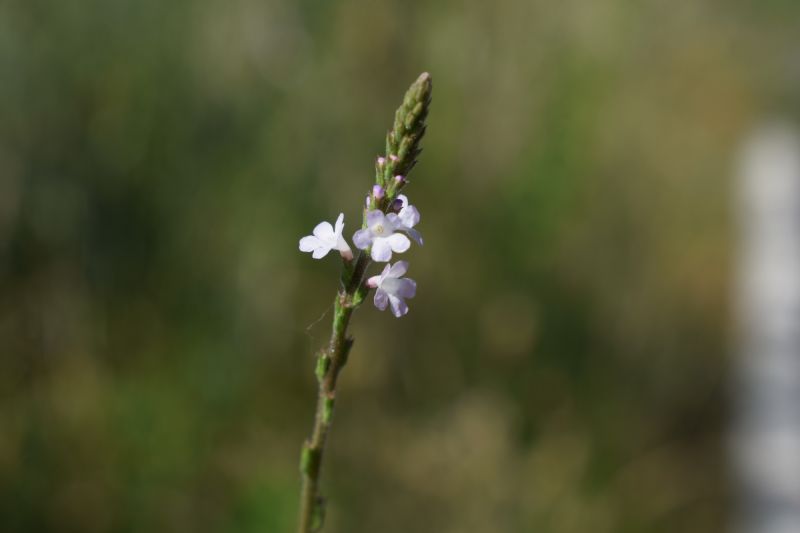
380 233
391 288
325 239
409 217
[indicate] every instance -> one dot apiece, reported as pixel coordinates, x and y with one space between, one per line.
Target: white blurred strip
766 387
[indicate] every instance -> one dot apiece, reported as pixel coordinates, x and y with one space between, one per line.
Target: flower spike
388 222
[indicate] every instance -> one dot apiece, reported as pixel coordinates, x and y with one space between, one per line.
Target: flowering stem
357 277
402 145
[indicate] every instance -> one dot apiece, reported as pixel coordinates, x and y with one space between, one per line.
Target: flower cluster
384 233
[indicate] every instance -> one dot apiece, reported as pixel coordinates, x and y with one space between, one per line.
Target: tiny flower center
378 229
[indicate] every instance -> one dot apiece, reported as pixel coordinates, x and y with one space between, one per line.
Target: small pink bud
367 201
399 180
377 192
381 161
393 158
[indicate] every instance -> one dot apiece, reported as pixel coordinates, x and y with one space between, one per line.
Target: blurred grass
563 366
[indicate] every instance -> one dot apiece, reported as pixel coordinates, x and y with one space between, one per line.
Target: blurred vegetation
563 366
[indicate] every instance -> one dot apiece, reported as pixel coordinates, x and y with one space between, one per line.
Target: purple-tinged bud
400 180
381 161
367 201
397 205
393 158
377 192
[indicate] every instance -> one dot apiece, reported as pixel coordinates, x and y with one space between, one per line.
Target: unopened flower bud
381 161
377 192
393 158
400 180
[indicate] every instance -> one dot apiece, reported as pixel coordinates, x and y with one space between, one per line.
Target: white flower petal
399 242
321 252
374 217
339 225
398 269
403 199
414 234
381 299
406 288
394 222
342 245
373 282
362 239
324 232
382 250
309 243
409 215
399 307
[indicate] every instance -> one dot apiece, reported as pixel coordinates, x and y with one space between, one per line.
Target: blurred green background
563 367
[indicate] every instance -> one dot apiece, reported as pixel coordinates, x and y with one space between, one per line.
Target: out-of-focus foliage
563 366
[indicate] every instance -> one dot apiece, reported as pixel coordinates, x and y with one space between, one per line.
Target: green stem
330 362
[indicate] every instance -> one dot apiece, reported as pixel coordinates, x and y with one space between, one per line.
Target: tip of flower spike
420 90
